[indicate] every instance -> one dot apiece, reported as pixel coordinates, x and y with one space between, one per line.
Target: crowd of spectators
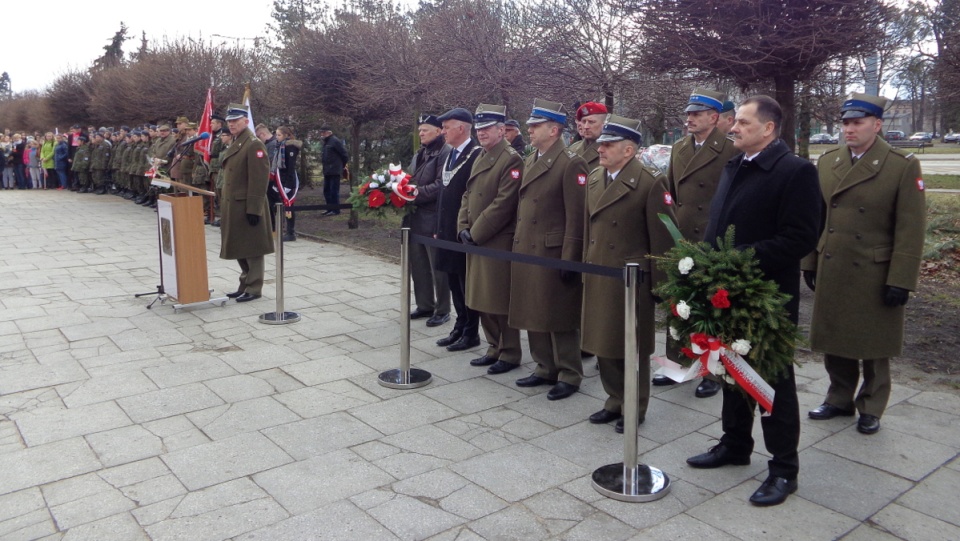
34 162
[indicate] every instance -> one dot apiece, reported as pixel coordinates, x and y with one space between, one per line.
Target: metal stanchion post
279 317
630 481
405 377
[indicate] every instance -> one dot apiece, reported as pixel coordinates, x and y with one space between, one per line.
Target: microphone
192 140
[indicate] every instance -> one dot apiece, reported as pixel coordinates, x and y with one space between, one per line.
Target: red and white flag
204 127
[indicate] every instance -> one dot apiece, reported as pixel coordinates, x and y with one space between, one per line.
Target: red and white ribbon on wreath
287 201
714 357
399 183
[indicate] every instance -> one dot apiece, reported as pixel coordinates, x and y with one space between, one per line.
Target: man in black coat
772 198
333 157
455 163
430 289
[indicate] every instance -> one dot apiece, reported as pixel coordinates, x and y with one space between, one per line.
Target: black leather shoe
465 343
707 388
562 390
718 455
420 314
234 295
289 237
534 380
868 424
482 361
774 491
618 428
662 381
501 367
437 320
603 417
247 297
450 339
826 411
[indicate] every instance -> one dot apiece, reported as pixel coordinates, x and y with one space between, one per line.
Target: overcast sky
43 40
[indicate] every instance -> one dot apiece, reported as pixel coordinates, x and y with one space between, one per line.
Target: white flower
685 265
741 346
683 310
674 334
374 185
380 178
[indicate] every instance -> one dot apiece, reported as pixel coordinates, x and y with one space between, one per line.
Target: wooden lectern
183 246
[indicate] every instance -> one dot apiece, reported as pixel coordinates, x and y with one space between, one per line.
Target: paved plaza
122 423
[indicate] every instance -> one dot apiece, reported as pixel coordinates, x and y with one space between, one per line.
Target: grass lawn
938 148
942 181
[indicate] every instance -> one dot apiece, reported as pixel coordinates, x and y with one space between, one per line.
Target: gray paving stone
246 416
929 424
24 514
518 472
127 444
894 452
96 328
45 464
402 413
589 445
374 450
557 504
240 387
100 501
326 398
911 525
672 459
865 532
177 432
683 528
513 523
212 463
318 481
320 435
431 441
682 497
326 370
473 395
472 502
339 521
134 472
105 388
263 357
433 485
189 368
221 523
945 402
120 526
599 526
796 518
154 490
845 486
409 518
169 402
936 496
31 376
560 413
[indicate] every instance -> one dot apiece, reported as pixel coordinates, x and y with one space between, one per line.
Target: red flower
376 199
689 353
364 188
673 310
396 200
701 340
720 300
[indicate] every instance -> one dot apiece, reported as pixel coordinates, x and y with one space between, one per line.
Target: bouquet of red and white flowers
387 189
729 319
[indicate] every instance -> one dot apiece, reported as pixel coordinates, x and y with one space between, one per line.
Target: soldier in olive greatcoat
488 216
590 118
245 228
696 163
624 199
546 302
866 263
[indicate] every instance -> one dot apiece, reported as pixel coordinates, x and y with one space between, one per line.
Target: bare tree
760 42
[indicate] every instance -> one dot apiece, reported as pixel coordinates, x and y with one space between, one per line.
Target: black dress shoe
420 314
826 411
290 237
603 417
534 380
774 491
246 297
501 367
662 381
718 455
868 424
562 390
234 295
707 388
450 339
437 320
465 343
482 361
618 428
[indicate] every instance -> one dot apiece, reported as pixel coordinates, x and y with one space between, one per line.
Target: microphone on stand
192 140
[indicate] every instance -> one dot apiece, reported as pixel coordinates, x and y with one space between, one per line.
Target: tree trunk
785 96
354 221
804 123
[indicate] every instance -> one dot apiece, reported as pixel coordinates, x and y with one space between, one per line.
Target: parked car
952 138
896 135
926 137
823 139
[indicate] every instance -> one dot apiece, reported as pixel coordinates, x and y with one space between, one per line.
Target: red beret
591 108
